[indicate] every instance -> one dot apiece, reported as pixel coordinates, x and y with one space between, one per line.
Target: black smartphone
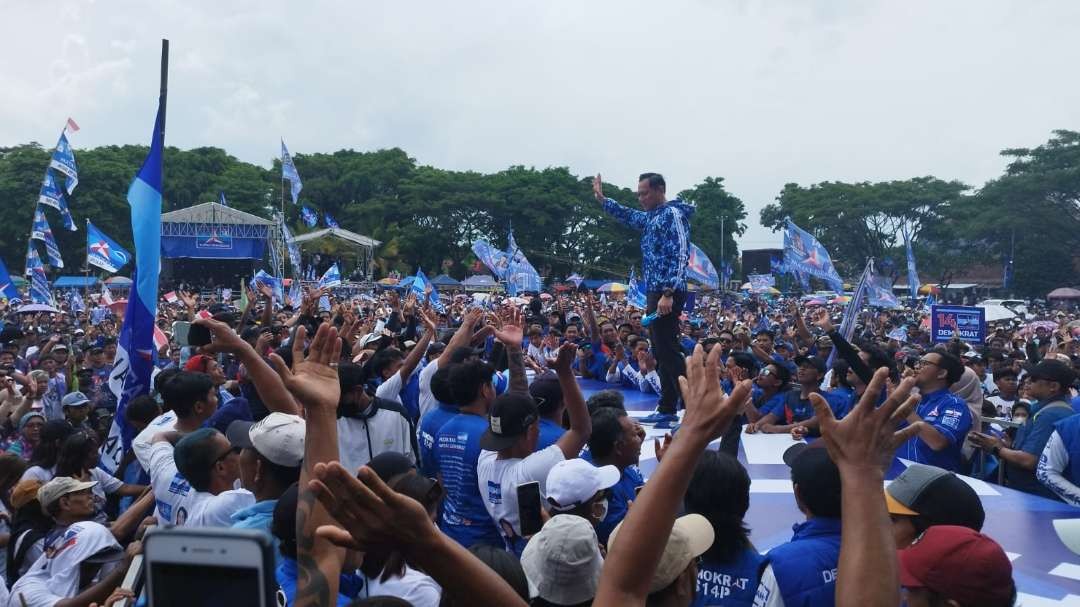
198 335
529 519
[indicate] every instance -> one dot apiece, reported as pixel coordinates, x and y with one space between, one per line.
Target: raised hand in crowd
862 446
266 381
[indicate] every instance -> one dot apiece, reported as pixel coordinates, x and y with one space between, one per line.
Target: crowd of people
384 446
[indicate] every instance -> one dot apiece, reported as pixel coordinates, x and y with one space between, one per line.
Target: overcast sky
761 93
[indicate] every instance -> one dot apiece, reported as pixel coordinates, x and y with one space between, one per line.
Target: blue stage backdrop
213 231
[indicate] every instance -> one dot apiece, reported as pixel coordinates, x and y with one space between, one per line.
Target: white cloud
759 93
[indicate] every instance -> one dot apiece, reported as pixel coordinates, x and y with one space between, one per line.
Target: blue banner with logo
104 252
700 268
966 322
804 254
210 241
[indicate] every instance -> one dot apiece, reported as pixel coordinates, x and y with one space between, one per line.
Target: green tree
717 220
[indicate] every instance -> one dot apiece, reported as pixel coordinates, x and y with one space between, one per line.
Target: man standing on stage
665 250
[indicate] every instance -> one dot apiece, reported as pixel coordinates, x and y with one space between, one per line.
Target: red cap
959 564
198 363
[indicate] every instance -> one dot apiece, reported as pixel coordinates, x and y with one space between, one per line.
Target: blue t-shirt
429 428
550 433
457 450
621 493
410 395
349 585
731 584
259 515
1032 438
950 416
1069 431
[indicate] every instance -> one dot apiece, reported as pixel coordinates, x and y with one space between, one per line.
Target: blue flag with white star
331 278
309 217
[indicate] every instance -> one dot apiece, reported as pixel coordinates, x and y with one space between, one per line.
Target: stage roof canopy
340 233
214 213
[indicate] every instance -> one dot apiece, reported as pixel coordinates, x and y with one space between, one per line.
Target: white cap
562 562
367 339
572 482
279 437
1068 531
690 537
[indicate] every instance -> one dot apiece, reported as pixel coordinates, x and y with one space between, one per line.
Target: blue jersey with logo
805 567
457 450
429 427
950 416
1069 431
1032 438
665 241
732 584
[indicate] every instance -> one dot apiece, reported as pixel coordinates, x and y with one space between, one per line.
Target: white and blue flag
221 199
39 287
330 221
332 277
292 248
288 171
309 216
50 194
63 160
912 274
104 252
262 277
32 258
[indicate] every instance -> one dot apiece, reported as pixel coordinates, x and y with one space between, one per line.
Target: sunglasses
231 451
766 373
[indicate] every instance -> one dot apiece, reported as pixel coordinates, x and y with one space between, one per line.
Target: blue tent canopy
75 282
592 283
442 280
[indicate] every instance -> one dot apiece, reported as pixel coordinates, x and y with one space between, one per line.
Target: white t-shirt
418 589
106 483
37 473
166 422
498 480
391 388
427 399
178 503
55 575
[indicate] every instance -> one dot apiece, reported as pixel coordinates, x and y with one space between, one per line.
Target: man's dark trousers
670 360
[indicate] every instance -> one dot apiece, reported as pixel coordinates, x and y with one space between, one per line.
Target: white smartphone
209 566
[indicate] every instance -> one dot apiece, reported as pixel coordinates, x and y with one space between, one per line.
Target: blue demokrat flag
39 287
262 277
50 194
879 293
804 254
291 247
65 214
63 160
136 355
7 286
420 286
912 274
104 252
520 274
309 217
331 278
576 279
288 171
77 303
221 199
32 258
330 221
40 230
495 260
899 334
700 268
296 292
1007 273
635 296
851 313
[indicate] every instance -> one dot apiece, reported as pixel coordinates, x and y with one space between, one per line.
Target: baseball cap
198 363
572 482
509 418
279 437
816 475
691 536
959 564
58 488
1053 370
74 399
971 355
814 361
60 346
546 391
562 561
435 347
370 338
937 495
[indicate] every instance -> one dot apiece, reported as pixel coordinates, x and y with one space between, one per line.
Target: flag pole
281 232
